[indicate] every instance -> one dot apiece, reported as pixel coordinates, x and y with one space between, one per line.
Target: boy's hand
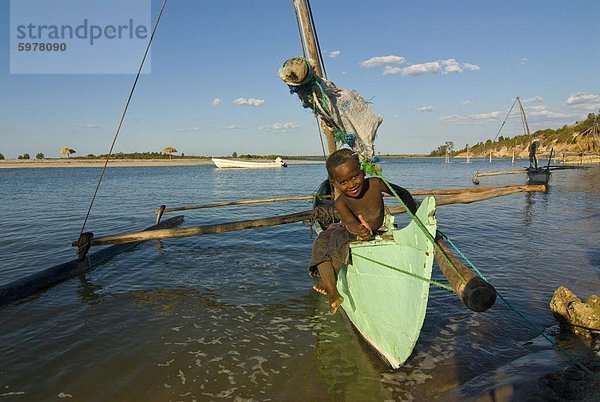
364 230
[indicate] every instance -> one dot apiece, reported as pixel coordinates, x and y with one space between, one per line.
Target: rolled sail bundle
344 110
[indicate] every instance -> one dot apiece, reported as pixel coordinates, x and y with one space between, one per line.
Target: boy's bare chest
369 206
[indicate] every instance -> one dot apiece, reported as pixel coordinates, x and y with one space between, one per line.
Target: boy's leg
328 272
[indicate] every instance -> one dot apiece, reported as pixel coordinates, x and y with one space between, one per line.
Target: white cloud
279 127
582 100
451 66
542 112
383 61
466 103
232 127
472 118
535 99
248 102
334 54
391 70
424 68
427 108
91 126
471 67
216 101
524 60
391 66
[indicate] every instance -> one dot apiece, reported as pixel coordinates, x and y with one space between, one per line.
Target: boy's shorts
332 243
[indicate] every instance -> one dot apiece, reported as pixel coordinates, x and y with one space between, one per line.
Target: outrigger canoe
385 305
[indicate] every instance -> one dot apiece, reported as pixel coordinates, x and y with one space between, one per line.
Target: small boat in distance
239 164
540 175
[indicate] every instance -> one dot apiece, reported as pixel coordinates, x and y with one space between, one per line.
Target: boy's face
348 178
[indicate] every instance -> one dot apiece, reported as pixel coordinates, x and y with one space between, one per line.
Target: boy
361 208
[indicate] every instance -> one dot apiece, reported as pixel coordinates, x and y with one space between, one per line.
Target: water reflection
87 291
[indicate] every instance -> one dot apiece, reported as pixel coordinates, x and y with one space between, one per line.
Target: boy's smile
349 179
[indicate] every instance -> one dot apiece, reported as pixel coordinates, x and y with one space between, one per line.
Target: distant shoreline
298 160
98 163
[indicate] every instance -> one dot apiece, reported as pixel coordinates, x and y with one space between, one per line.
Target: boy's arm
350 221
404 195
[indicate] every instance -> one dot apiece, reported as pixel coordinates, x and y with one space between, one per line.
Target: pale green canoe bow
385 305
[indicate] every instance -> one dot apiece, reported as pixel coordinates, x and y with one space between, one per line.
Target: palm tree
169 150
67 151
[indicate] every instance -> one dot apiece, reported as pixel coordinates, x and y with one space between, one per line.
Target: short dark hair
340 157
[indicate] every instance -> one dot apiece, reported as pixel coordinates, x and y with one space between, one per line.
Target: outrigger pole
460 198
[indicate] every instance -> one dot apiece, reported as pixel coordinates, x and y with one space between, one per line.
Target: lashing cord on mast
300 35
162 7
314 28
299 30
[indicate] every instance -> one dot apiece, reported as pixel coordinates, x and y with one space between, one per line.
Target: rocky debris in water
581 318
575 383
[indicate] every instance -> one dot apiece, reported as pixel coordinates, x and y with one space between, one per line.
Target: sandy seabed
95 163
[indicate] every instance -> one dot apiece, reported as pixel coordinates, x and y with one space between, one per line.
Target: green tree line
565 135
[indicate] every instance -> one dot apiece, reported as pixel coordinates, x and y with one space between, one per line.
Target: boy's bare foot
320 289
335 303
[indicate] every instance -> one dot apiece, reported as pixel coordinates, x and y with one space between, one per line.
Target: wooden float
49 277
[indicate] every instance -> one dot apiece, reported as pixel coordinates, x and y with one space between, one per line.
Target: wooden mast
523 115
310 44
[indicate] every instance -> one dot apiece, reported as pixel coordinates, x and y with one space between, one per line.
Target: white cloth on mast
342 109
351 113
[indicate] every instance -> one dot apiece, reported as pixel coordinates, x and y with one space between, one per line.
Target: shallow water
233 316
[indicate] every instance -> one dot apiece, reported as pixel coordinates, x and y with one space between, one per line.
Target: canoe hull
539 175
237 164
387 306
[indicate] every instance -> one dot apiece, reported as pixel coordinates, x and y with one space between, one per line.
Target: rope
421 226
529 323
497 134
413 275
298 24
314 28
321 138
162 7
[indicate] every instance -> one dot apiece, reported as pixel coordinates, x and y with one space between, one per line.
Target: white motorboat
236 163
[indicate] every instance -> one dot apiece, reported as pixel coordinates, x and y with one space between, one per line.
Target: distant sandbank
96 163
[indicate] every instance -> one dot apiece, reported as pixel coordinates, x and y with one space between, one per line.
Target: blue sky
436 70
